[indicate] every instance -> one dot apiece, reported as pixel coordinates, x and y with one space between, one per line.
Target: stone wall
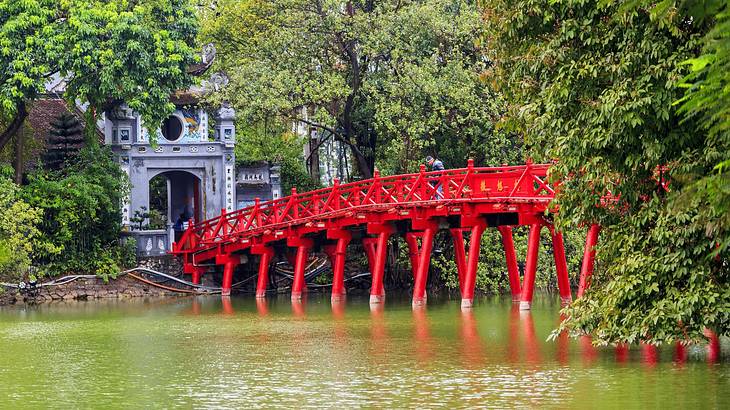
84 289
168 264
96 288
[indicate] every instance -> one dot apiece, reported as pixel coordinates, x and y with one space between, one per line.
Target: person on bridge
436 165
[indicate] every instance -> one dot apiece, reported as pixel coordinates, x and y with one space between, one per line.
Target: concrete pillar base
525 305
419 302
375 299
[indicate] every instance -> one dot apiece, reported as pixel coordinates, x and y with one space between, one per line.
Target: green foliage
492 274
81 214
19 235
136 52
264 141
594 84
392 80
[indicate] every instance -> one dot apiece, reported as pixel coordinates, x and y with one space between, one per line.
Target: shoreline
122 287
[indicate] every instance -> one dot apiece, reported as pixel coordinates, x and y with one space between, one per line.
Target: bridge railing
522 183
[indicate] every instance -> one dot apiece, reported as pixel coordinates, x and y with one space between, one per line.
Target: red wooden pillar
528 284
266 255
561 267
229 263
457 236
380 250
338 254
510 255
197 274
713 346
369 245
589 256
424 262
413 254
470 276
303 246
195 271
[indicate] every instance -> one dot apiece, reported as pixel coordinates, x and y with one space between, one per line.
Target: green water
206 353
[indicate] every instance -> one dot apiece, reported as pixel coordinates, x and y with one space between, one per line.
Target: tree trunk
314 157
18 163
363 165
14 126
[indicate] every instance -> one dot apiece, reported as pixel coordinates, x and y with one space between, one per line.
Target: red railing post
589 256
470 276
513 272
377 191
469 177
528 284
257 211
293 203
336 194
423 183
224 222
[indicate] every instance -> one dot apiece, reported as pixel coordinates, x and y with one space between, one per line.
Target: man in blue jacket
436 165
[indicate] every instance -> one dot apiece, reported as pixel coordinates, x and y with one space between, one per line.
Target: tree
81 214
19 234
594 84
392 80
64 141
108 51
272 143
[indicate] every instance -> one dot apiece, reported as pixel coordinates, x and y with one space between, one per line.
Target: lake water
205 352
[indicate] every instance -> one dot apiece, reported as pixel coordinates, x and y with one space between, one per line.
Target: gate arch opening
176 196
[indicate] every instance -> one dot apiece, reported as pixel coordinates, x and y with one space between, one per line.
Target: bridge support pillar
424 263
229 263
470 275
413 253
513 271
457 236
528 284
196 272
589 256
380 250
337 254
266 254
303 246
561 267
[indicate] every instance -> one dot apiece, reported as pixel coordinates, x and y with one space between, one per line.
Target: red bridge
414 205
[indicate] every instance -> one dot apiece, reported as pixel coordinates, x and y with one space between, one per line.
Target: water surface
211 353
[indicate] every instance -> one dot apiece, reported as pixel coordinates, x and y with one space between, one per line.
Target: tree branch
337 135
14 126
